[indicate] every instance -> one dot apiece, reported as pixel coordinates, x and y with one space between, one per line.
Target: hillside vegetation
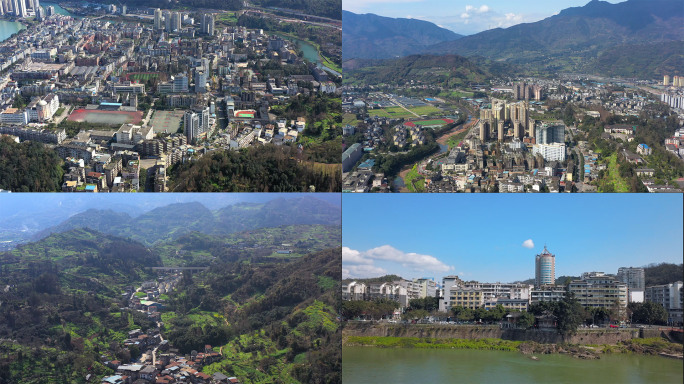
274 319
446 71
254 169
29 167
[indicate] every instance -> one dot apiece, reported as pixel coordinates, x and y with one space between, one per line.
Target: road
67 108
146 120
440 140
325 21
154 351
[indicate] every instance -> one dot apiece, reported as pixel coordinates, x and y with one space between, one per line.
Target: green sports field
430 122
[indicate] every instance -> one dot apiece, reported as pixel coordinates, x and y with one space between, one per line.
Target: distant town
574 133
612 299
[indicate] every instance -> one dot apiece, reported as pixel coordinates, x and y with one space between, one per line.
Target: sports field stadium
105 117
245 114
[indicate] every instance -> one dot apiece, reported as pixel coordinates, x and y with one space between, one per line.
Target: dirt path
403 174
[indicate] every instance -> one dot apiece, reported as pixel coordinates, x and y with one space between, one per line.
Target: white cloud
464 15
364 263
481 9
361 271
509 19
410 260
528 243
353 256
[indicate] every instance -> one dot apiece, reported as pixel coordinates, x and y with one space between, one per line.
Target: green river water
428 366
7 28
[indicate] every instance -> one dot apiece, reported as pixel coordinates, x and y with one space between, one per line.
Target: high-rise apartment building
176 22
196 123
633 277
21 9
158 19
549 134
545 268
201 78
208 24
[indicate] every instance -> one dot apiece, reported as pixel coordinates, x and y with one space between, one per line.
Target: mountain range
174 220
598 37
369 36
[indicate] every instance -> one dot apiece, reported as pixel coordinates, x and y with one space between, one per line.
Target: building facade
544 269
596 289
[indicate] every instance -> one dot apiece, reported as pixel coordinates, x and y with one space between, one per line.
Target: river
309 52
395 365
7 28
58 10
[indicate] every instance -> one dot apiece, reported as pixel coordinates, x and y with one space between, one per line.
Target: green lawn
227 17
392 112
143 76
455 139
399 112
349 118
414 181
425 110
613 175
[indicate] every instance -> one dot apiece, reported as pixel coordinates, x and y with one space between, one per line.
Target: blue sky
486 237
466 16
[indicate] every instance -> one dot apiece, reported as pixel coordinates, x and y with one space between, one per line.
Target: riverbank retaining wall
444 331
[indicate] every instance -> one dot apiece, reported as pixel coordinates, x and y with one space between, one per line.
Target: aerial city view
525 96
177 96
591 295
193 288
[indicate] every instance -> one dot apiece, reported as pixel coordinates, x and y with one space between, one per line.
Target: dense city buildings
545 134
78 83
607 293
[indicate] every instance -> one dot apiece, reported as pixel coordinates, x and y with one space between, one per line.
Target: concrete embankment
444 331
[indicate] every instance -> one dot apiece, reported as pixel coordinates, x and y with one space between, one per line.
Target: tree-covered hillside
255 169
274 318
29 167
446 71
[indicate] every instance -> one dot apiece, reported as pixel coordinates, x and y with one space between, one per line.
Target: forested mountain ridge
576 37
63 303
369 36
80 258
172 221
